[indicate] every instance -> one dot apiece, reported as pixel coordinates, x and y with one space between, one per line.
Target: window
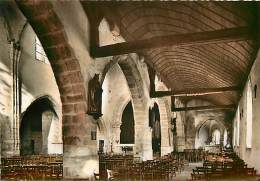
235 132
238 126
216 137
93 135
39 52
255 91
225 138
249 115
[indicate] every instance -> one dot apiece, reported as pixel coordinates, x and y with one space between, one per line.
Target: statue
174 128
94 97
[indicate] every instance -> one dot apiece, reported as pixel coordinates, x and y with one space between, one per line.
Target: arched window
225 137
238 126
40 55
235 132
127 135
216 137
39 129
249 116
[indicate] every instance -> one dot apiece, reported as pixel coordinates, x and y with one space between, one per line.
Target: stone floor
186 174
180 176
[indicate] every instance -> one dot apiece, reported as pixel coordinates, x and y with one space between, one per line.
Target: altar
126 148
213 148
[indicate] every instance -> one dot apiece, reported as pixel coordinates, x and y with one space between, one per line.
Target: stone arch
116 95
118 114
127 125
134 81
219 124
155 123
36 119
52 101
135 84
216 132
201 123
221 127
104 130
50 31
165 126
107 68
201 136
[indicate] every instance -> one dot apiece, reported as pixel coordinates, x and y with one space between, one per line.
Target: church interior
121 90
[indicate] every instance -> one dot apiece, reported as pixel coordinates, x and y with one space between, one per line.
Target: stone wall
36 79
250 155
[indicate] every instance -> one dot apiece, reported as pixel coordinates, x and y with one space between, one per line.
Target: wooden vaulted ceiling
211 65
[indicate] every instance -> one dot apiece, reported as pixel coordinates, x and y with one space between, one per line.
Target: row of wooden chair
126 167
236 168
195 155
32 167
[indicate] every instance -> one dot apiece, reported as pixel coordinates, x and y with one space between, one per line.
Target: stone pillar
47 118
165 131
146 143
116 138
80 159
15 54
180 143
143 135
80 152
165 138
7 137
221 141
230 137
180 138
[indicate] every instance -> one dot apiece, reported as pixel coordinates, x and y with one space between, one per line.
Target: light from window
216 137
39 52
225 138
235 132
249 116
238 126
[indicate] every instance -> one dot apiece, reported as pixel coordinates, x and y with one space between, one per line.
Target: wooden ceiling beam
195 92
217 107
188 39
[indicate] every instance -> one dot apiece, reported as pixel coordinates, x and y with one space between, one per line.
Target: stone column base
81 164
165 150
80 167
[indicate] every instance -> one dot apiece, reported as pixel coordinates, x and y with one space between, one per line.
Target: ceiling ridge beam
187 39
211 107
195 92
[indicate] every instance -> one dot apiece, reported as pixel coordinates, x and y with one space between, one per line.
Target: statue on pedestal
94 97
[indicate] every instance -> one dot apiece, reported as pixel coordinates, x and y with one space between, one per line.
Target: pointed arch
50 31
35 127
127 125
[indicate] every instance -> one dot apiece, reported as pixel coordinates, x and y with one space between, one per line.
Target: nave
122 90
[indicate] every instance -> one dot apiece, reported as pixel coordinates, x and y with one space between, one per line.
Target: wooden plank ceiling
211 65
